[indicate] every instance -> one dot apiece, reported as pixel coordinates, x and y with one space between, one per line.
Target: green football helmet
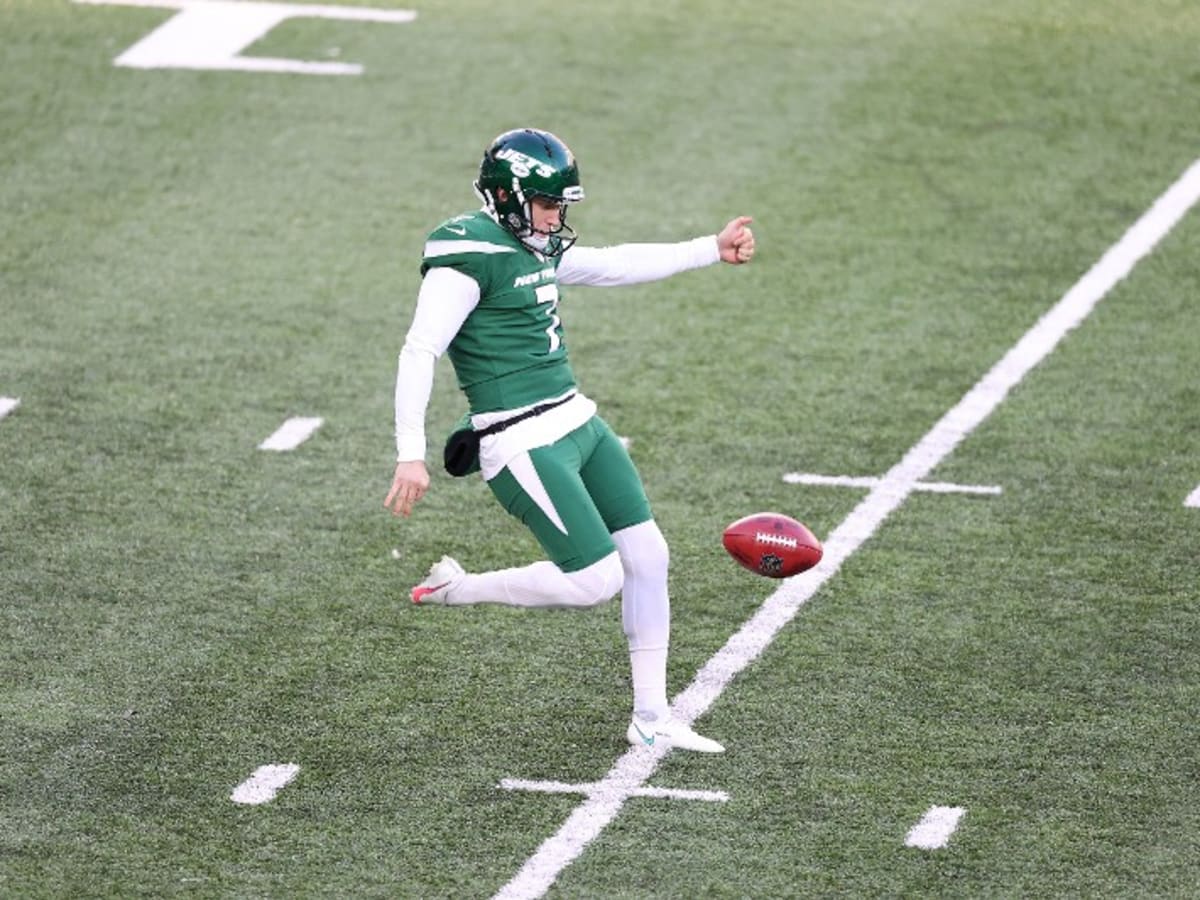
523 164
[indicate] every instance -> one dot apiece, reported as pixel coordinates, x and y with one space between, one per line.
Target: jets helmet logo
522 165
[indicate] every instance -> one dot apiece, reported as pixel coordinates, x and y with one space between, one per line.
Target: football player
489 296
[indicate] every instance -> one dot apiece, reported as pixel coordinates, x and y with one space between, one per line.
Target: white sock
646 614
541 585
649 670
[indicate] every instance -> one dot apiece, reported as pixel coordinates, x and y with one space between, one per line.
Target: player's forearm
635 263
414 382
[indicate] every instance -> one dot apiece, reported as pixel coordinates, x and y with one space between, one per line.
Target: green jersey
509 352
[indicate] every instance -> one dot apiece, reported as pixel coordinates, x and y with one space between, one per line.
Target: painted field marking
8 404
1193 499
292 433
264 784
211 34
589 788
634 767
867 481
935 827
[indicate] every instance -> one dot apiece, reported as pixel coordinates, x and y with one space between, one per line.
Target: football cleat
443 575
671 733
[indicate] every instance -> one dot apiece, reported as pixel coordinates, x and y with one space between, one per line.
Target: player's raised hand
736 241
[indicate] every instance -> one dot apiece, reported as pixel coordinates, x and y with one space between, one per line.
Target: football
772 544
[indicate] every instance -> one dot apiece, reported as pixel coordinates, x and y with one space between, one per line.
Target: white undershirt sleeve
635 263
445 300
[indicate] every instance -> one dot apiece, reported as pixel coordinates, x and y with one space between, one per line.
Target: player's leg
540 584
617 490
543 489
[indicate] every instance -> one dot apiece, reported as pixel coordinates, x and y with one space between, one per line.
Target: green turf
188 258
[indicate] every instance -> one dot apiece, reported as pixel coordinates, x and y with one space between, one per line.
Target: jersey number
548 293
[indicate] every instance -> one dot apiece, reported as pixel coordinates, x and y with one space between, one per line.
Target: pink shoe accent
420 592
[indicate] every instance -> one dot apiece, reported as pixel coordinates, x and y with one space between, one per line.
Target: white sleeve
635 263
445 300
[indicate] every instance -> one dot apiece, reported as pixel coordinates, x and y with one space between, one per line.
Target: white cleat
443 575
669 732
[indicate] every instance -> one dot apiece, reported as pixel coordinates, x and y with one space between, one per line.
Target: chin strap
554 244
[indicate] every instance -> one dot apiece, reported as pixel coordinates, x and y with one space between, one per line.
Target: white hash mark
292 433
264 784
935 827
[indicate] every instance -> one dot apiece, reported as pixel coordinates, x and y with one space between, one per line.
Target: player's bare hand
409 485
736 241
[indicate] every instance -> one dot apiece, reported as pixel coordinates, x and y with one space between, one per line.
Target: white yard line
292 433
633 768
561 787
327 11
211 34
935 827
7 405
869 481
1193 499
264 784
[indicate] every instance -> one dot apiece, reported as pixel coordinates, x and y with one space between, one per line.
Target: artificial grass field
187 258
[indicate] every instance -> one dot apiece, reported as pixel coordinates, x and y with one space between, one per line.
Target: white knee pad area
596 584
645 606
644 552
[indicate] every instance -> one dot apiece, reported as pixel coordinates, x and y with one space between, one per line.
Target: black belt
528 414
461 454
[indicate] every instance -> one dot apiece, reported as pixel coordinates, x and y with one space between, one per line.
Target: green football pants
573 494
